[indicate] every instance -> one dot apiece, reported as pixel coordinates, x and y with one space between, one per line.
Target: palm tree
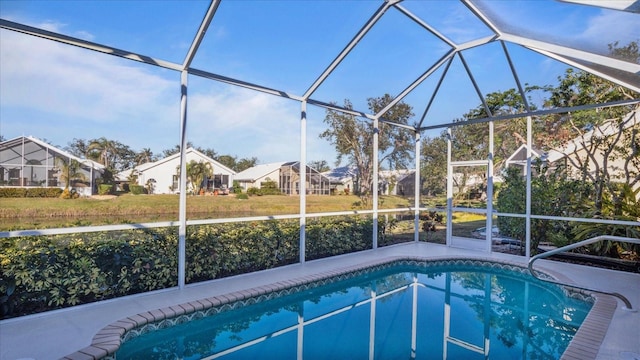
105 149
144 156
69 170
197 172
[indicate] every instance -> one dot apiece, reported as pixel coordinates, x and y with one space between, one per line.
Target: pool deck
59 333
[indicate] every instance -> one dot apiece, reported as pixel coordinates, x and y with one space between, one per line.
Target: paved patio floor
58 333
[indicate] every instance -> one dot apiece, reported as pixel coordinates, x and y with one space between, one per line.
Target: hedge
136 189
41 273
21 192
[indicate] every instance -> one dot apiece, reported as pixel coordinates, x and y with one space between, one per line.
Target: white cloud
68 81
612 26
100 95
245 123
51 83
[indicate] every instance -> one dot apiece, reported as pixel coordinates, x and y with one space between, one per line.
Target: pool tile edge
586 342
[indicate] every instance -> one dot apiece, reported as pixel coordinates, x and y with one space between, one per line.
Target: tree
434 165
114 155
78 147
144 156
174 150
599 173
553 193
103 150
245 163
319 165
208 152
581 88
629 53
197 173
236 165
69 171
471 142
353 138
227 160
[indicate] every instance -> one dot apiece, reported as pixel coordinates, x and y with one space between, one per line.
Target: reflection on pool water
408 310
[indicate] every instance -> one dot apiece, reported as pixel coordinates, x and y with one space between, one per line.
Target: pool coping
584 345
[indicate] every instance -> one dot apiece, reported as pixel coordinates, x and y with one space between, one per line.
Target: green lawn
39 213
33 213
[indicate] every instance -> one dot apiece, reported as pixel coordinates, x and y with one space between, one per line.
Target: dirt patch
103 197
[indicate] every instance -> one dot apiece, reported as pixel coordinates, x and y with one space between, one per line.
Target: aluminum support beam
527 227
545 48
480 15
449 189
475 85
69 40
470 163
376 134
426 26
533 113
182 208
347 49
435 92
244 84
476 43
417 188
417 82
528 191
195 44
489 223
303 180
567 55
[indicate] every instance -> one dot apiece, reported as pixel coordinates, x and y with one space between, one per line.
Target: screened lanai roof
441 57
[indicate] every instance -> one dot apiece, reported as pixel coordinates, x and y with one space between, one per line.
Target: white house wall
165 170
272 176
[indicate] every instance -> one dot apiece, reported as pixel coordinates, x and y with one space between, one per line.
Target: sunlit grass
34 213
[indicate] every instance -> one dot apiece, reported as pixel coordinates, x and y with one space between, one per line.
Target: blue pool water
403 311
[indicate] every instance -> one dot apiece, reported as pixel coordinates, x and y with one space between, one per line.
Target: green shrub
13 192
242 196
267 188
44 192
336 236
104 189
430 220
41 273
237 189
136 189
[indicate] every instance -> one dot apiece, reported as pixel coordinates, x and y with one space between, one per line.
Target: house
27 161
587 151
397 182
316 183
162 175
342 179
286 175
519 158
588 148
254 177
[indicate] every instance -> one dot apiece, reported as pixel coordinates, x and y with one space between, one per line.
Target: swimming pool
448 309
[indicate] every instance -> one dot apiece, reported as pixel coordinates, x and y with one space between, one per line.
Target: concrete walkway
55 334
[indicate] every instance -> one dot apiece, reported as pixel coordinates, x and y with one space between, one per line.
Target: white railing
577 245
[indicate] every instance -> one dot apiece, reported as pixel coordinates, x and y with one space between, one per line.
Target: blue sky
56 92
